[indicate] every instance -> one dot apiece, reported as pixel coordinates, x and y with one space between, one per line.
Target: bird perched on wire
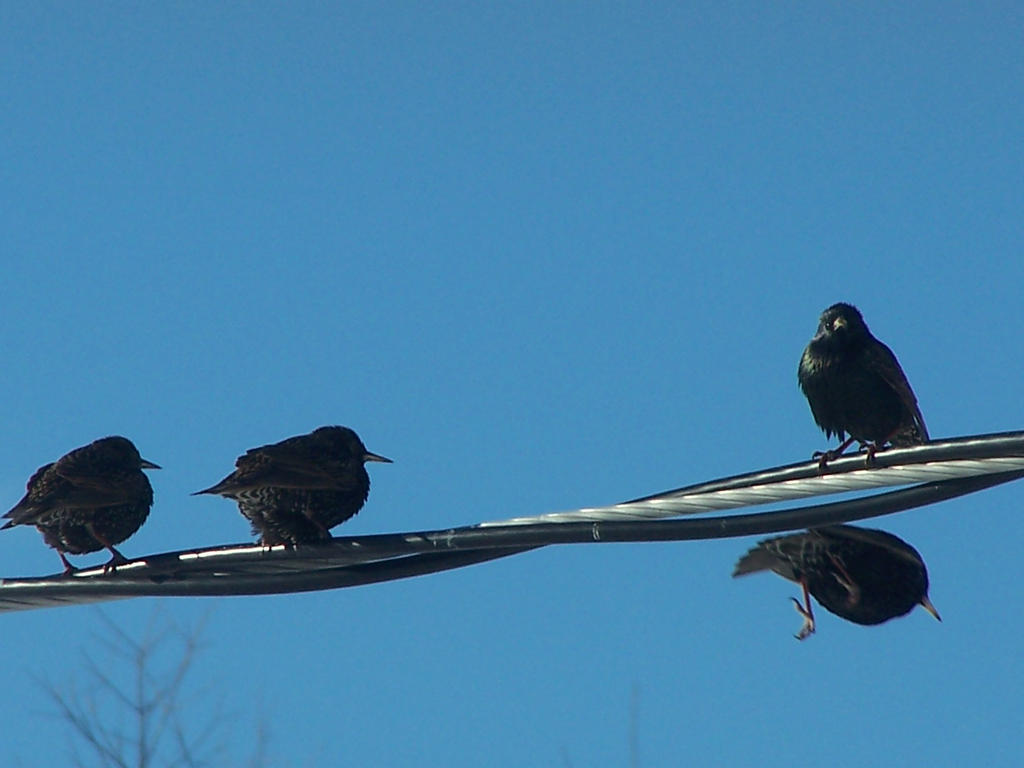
855 386
295 491
863 575
89 499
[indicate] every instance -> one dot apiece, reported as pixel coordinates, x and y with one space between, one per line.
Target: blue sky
542 256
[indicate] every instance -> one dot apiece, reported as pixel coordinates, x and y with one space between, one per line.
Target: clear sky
542 255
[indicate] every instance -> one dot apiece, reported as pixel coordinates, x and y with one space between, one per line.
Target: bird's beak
927 605
838 323
149 465
374 457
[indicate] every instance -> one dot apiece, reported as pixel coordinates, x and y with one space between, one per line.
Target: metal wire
940 460
951 468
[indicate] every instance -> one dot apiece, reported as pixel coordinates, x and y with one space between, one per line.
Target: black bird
92 498
855 386
863 575
295 491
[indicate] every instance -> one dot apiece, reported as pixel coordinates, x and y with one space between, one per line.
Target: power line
942 470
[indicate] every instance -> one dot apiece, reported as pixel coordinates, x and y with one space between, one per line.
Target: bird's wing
882 360
92 482
277 466
38 493
881 539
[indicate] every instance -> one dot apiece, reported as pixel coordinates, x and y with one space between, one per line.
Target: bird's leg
804 610
869 458
117 559
824 457
68 567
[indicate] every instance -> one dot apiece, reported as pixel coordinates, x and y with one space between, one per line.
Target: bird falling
89 499
862 575
293 492
855 386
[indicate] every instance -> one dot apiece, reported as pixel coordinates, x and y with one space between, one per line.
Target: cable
940 460
953 468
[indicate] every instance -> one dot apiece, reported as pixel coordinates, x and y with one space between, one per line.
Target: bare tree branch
132 712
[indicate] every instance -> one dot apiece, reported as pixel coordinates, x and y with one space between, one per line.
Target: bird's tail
757 559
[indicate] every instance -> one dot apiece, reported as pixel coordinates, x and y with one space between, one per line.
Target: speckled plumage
862 575
92 498
855 385
295 491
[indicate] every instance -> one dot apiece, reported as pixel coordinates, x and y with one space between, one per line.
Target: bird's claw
111 565
824 457
808 627
869 457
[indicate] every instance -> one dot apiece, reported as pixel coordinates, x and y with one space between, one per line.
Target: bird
863 575
294 491
91 498
855 385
